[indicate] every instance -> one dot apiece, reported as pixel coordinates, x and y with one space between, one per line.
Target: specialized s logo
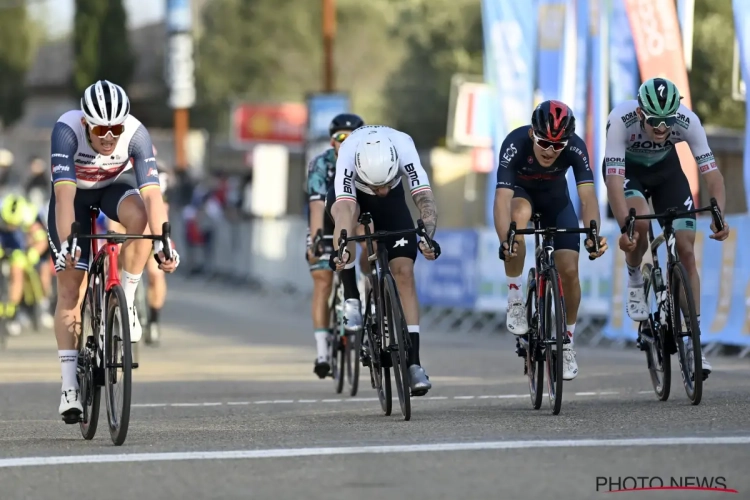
661 90
348 176
508 155
412 172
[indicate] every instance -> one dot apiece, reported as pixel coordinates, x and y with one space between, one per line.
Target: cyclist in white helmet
102 157
369 170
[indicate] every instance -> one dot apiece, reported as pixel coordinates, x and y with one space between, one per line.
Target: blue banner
321 109
580 106
509 32
599 23
451 280
742 31
179 16
624 76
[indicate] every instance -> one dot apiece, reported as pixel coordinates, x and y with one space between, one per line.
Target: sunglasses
340 136
545 145
657 121
101 131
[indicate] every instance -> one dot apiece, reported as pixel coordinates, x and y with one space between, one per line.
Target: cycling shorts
556 210
389 213
665 184
12 240
326 245
107 199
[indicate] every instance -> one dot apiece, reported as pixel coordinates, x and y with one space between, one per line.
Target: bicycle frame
110 249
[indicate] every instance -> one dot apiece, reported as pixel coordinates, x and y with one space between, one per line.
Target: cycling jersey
518 165
75 161
626 140
409 164
320 174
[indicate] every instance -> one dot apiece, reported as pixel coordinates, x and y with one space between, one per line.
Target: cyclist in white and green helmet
641 163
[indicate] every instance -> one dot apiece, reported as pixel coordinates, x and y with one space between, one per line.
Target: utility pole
329 33
180 74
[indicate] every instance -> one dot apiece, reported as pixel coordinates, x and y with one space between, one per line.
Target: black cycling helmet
345 121
553 121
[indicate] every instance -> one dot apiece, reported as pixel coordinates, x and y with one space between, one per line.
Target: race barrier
465 289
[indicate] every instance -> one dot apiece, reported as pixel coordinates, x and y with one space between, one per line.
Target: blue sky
58 14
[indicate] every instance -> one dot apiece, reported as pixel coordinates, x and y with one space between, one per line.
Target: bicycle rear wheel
554 324
398 333
87 365
534 356
684 317
337 346
653 337
118 365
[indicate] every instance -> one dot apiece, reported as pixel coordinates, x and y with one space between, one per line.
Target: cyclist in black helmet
320 174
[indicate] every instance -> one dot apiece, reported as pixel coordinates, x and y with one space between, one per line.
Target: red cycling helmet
553 121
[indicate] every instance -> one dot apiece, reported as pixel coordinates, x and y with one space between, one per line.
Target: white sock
698 317
68 367
571 331
514 288
635 277
321 342
129 286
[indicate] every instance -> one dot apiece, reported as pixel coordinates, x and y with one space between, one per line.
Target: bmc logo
348 175
413 177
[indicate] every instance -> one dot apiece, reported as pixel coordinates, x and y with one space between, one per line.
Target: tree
100 44
15 60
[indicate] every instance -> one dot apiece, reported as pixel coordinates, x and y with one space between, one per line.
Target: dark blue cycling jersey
519 167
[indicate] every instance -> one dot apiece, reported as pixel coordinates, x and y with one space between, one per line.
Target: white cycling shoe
70 404
136 331
637 306
570 365
516 317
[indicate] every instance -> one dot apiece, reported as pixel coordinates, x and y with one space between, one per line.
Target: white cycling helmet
105 103
376 159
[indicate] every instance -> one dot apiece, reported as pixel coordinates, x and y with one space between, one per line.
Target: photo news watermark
611 484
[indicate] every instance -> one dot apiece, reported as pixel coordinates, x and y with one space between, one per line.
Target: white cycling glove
62 255
159 248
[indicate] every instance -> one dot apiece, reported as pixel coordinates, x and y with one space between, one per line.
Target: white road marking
463 397
645 392
331 400
238 403
585 394
282 401
149 405
212 404
368 450
307 400
608 393
436 398
186 404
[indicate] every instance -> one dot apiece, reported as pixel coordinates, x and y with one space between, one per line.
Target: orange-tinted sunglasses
101 131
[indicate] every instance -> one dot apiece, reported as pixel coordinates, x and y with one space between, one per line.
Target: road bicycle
105 355
542 346
665 331
384 324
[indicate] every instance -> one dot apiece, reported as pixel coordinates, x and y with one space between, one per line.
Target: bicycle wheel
398 345
378 352
353 346
118 364
87 356
653 337
336 346
684 317
553 324
534 356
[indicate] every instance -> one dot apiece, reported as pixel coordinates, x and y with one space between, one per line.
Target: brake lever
594 235
716 214
422 230
166 230
342 244
631 224
511 240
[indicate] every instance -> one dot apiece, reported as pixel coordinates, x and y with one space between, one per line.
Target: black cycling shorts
665 184
389 213
556 210
107 199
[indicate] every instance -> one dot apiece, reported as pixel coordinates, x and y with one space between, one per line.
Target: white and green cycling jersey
628 142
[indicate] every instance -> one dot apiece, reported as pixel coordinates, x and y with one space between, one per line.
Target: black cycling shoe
322 368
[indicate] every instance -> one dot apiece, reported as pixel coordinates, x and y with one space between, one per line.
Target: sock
129 285
153 315
698 317
571 331
68 367
349 280
635 278
321 342
514 287
414 352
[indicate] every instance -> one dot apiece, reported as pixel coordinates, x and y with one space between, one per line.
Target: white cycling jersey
627 141
347 180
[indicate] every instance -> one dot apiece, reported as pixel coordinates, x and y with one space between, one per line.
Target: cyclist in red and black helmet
531 179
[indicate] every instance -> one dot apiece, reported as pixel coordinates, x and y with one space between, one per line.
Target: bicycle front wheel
87 356
653 339
685 326
353 346
554 325
398 333
118 365
534 357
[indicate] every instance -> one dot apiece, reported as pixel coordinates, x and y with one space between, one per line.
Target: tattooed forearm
425 202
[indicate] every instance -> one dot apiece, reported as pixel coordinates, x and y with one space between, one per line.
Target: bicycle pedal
72 419
419 392
135 365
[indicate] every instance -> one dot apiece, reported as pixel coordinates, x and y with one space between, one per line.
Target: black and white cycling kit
390 212
653 170
102 181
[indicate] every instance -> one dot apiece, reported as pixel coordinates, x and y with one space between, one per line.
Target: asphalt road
228 408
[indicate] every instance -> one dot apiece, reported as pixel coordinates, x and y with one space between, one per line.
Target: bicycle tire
386 393
534 359
90 392
119 420
398 333
353 346
694 386
335 351
377 376
657 358
554 351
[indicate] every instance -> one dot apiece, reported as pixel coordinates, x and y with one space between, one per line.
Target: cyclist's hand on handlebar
428 252
311 257
719 235
64 258
508 255
335 264
626 245
602 247
168 266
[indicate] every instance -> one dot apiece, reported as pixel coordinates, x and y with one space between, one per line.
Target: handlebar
672 214
166 229
592 231
380 235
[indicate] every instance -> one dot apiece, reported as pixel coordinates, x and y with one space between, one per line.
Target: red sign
269 123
